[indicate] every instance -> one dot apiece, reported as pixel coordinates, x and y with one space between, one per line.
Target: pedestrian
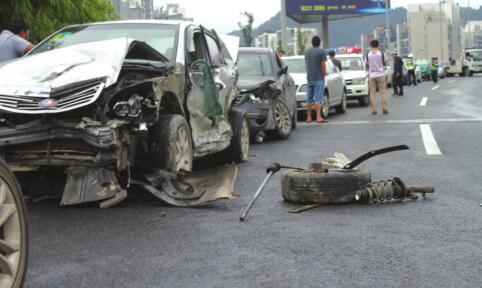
411 70
335 61
14 40
397 77
376 72
315 61
434 69
281 53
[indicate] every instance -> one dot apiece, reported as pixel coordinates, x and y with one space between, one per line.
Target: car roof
180 23
255 50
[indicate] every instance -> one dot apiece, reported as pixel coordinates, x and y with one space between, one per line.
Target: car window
295 65
254 64
162 38
195 50
214 53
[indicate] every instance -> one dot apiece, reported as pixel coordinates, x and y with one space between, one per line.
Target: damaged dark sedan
116 104
268 93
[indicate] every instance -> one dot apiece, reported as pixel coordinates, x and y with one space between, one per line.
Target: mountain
346 32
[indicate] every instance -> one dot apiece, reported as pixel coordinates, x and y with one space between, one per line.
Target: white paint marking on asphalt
409 121
451 81
424 101
435 87
429 140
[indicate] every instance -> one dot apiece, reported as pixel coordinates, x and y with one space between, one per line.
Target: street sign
330 7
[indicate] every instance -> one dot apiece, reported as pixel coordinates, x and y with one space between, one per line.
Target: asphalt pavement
426 243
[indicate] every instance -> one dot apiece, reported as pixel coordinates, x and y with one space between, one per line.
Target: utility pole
284 40
441 32
387 34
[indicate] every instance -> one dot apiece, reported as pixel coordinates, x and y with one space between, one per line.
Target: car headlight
358 81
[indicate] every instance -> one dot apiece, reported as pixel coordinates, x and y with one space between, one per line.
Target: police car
356 77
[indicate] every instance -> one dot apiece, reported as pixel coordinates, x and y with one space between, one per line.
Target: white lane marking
451 81
435 87
409 121
429 140
424 101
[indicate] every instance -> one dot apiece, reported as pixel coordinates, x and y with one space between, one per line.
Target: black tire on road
283 120
341 108
171 144
335 187
13 230
364 101
238 150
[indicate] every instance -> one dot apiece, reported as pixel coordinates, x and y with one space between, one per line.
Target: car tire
334 187
238 150
13 230
294 121
283 120
341 108
364 101
171 145
325 106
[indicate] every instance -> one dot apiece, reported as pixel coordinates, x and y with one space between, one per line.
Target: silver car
335 90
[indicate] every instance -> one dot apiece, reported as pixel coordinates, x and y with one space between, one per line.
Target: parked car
335 89
109 102
356 78
267 93
13 230
424 66
443 68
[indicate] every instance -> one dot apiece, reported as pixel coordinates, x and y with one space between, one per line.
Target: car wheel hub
10 236
183 151
282 117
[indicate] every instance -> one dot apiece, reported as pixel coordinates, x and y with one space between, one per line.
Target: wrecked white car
115 104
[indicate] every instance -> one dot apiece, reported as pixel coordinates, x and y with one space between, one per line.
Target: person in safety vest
410 64
434 69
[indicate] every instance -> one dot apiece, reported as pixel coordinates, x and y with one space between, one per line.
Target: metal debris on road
395 189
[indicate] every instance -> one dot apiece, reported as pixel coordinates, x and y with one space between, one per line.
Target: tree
161 13
46 16
300 41
247 28
280 46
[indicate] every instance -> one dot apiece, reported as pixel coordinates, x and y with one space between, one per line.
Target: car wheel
342 107
364 101
13 230
282 119
325 106
309 187
238 150
171 147
294 121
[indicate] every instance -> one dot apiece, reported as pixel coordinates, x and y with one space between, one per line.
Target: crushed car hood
247 83
39 74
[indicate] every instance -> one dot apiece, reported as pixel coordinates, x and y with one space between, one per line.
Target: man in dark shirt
335 61
397 79
315 59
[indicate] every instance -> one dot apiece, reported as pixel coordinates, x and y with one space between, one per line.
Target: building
399 41
434 30
294 45
134 9
473 34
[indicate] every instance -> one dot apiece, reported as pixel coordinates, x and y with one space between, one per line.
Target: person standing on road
315 62
411 71
14 40
397 77
376 72
335 61
434 69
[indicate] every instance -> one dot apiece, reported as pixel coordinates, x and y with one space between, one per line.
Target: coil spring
386 190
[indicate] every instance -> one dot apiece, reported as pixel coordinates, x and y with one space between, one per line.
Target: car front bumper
357 91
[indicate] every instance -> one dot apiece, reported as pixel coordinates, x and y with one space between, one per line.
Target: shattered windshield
351 63
162 38
254 64
295 65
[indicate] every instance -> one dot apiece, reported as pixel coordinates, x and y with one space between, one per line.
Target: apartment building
134 9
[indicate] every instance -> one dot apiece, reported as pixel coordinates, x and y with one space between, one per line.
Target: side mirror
282 71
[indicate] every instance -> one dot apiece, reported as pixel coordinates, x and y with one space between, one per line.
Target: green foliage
247 29
279 47
300 41
46 16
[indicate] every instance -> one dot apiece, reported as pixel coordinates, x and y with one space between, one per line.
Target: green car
424 66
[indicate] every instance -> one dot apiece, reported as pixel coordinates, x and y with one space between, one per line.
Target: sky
223 15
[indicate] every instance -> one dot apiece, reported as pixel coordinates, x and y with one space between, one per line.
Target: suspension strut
395 189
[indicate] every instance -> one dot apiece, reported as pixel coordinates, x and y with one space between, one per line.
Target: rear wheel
13 230
342 107
238 150
294 117
282 119
171 146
